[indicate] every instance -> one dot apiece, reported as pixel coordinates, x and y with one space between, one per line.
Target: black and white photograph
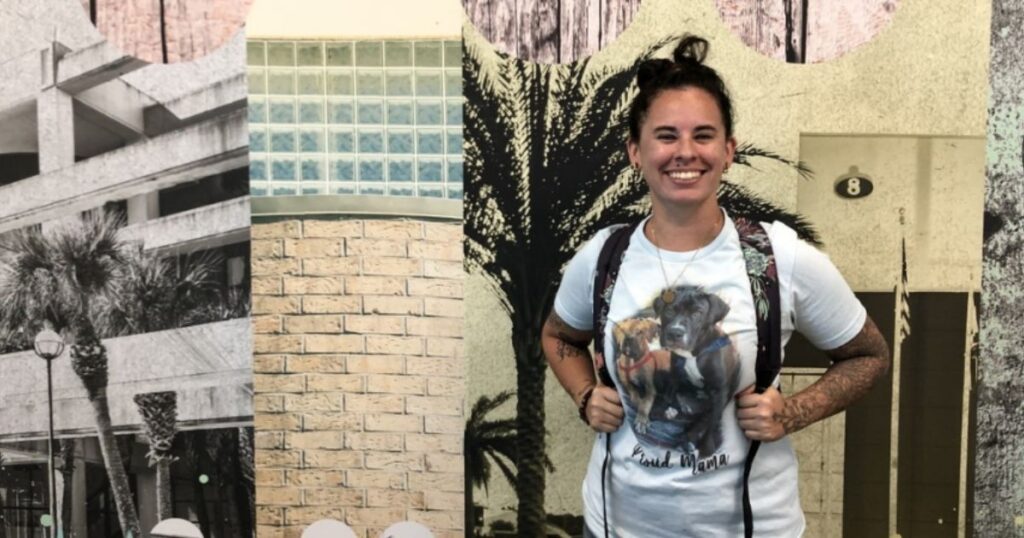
125 338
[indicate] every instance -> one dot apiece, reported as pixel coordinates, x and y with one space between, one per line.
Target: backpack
764 286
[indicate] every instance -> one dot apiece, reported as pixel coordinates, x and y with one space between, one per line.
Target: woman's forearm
857 365
566 351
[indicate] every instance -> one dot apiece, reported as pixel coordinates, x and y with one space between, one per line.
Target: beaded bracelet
583 405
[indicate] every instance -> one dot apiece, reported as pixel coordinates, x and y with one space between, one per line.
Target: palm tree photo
160 420
54 280
83 280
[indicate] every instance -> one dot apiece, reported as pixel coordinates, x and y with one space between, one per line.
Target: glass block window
374 117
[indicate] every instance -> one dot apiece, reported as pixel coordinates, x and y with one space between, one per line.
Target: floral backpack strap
607 270
764 286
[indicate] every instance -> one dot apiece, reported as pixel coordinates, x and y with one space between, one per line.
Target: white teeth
683 175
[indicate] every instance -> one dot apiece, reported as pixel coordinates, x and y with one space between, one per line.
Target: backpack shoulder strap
605 274
764 286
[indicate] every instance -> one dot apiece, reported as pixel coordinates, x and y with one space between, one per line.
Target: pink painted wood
551 31
191 29
834 27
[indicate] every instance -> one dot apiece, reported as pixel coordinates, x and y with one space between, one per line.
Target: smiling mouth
685 174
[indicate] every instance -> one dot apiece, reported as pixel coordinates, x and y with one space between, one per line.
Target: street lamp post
48 346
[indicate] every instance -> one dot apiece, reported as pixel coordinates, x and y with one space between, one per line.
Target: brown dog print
639 359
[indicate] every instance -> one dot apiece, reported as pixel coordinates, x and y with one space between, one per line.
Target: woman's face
683 148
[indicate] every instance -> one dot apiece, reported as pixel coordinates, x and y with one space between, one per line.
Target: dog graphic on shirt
678 369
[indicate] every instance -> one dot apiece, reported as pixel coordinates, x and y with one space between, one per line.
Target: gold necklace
669 294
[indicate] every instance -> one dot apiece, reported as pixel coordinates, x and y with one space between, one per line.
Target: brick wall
359 374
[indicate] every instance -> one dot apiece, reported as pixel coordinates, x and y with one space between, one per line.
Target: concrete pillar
56 130
143 207
236 270
146 488
79 520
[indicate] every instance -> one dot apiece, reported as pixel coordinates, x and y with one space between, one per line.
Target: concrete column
236 270
146 488
143 207
79 521
56 130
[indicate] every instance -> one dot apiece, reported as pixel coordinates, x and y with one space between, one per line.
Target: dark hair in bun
685 69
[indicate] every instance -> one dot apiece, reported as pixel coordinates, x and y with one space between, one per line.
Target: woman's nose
685 149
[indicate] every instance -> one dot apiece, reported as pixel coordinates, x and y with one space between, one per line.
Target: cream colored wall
938 182
925 75
354 19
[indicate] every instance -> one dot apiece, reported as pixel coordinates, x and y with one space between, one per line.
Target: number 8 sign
854 184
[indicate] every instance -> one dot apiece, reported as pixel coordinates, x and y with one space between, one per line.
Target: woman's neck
682 230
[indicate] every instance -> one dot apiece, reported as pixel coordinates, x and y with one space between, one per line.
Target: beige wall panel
938 183
321 19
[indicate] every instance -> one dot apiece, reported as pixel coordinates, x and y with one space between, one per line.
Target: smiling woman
682 151
695 322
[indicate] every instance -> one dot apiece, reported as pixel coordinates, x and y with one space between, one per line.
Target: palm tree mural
485 441
159 411
545 169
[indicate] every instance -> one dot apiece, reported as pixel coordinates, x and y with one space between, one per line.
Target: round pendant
668 296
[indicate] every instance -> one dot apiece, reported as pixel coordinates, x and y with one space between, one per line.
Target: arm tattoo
857 365
571 342
565 349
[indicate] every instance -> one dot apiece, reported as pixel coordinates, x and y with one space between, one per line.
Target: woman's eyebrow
672 129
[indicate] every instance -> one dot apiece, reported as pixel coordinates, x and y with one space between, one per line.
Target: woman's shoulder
780 232
589 251
600 237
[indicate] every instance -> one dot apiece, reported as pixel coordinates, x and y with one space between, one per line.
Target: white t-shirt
678 355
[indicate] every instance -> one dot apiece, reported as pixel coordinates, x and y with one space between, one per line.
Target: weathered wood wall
833 27
190 29
551 31
999 436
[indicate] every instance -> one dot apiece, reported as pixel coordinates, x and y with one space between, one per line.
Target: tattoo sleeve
856 366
